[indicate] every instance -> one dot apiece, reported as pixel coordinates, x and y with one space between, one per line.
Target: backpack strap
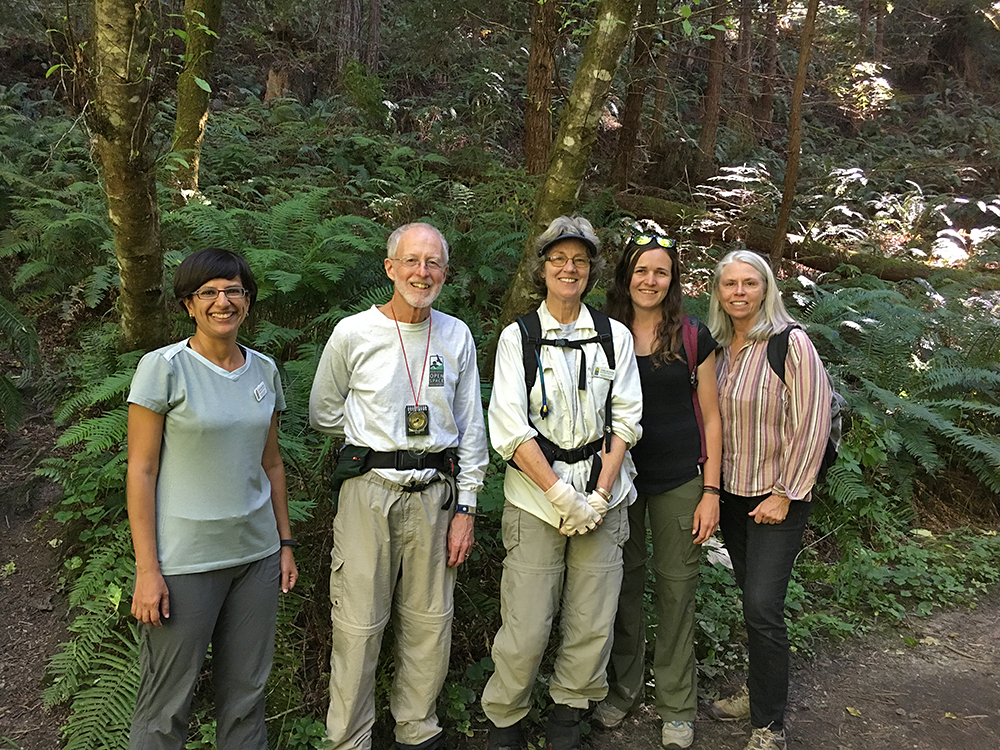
531 342
689 329
777 350
602 323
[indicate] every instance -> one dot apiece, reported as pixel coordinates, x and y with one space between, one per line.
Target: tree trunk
541 64
765 113
628 134
119 120
658 131
864 21
713 96
577 133
348 33
879 31
743 53
373 40
816 255
795 133
202 20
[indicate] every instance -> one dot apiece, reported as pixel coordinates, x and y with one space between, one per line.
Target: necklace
417 416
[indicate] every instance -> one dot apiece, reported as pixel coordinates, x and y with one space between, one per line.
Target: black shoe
562 730
434 743
505 738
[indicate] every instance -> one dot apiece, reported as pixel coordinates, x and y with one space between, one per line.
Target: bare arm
530 460
274 468
611 463
150 599
706 515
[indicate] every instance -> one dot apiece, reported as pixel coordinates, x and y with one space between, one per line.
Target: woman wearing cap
208 513
774 436
678 485
567 488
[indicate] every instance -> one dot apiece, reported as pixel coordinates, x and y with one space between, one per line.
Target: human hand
576 514
151 598
598 502
771 510
461 537
706 518
289 570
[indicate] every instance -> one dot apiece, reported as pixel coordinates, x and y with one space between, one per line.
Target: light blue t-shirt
213 499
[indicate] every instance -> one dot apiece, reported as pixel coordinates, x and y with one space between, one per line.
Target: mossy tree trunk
642 57
119 121
202 19
541 65
577 132
794 133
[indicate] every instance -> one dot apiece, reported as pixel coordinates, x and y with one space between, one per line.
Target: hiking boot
764 738
505 738
677 734
608 715
434 743
732 708
562 730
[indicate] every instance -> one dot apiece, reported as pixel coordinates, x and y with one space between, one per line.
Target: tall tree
795 133
373 33
879 45
119 120
577 133
348 33
642 57
744 48
201 21
765 110
864 21
712 101
541 66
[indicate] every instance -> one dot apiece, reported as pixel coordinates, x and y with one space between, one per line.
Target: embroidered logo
435 372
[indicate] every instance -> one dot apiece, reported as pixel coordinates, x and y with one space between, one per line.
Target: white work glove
596 501
576 514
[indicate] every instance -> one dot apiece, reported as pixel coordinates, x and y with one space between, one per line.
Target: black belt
443 461
553 453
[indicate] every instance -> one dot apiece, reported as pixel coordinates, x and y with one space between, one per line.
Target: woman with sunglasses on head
678 486
208 513
566 489
774 435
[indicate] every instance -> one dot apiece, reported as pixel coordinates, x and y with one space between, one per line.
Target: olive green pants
676 561
542 572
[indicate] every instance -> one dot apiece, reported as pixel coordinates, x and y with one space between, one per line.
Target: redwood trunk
795 134
765 115
202 19
119 120
348 32
373 38
713 96
541 65
879 31
628 134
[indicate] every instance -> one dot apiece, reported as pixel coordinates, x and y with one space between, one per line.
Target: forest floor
931 684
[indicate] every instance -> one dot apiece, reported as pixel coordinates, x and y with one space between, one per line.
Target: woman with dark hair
678 486
774 434
208 513
568 484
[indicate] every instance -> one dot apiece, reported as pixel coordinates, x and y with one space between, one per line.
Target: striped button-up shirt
774 434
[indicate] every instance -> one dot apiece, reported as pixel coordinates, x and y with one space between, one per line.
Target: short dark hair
212 263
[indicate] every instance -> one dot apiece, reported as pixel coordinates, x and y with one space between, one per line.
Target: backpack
690 336
531 347
777 351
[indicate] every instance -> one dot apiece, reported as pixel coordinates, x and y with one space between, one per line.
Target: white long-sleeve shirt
575 417
361 390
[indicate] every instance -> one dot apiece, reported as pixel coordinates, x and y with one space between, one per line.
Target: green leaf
203 84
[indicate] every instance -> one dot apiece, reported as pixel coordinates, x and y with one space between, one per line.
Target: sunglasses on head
644 239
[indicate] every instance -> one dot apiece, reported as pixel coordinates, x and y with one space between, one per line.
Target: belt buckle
418 456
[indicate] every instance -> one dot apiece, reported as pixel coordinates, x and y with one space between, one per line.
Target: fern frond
99 433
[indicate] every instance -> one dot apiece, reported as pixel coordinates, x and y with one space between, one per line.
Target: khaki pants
390 552
542 571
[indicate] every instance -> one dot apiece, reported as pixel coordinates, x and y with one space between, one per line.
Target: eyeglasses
209 294
412 264
644 239
579 262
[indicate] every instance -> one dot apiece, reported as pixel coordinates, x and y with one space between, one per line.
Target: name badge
604 373
259 392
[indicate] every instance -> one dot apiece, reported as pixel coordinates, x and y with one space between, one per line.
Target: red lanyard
407 362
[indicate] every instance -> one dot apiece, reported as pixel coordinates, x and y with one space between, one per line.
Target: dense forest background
856 143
